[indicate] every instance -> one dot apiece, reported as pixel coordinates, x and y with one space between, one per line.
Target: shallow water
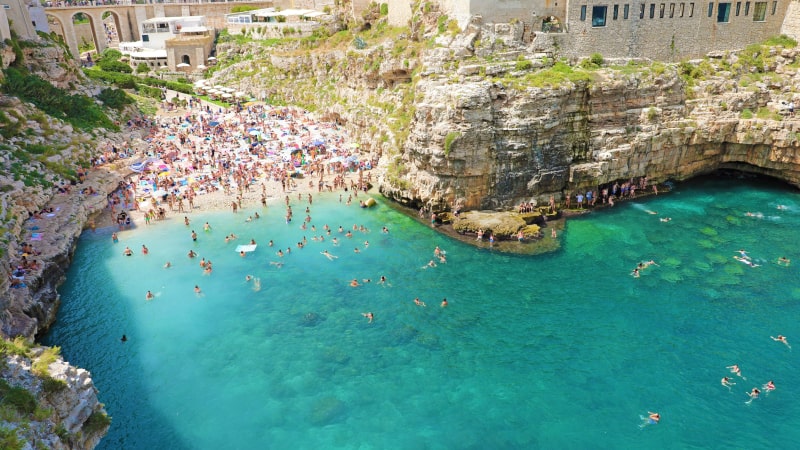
564 350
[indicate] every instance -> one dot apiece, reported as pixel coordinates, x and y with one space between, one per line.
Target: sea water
564 350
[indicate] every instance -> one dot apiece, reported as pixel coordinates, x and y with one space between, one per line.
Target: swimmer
328 255
746 261
369 316
382 280
277 264
650 212
270 243
242 254
356 250
651 419
385 230
206 227
335 241
194 236
149 296
167 265
735 370
114 238
197 290
247 278
769 387
784 261
354 283
145 250
665 219
256 284
430 264
649 263
635 273
191 254
280 253
782 207
782 338
127 251
726 381
366 280
743 253
186 220
256 216
753 394
418 302
437 251
366 244
124 338
252 242
444 303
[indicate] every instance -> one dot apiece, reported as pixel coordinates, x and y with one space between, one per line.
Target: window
710 9
599 16
641 12
652 10
583 13
671 10
661 10
774 7
724 12
145 38
746 8
738 7
691 9
616 11
625 10
760 12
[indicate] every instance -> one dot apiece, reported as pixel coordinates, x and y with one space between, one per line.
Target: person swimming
418 302
167 265
769 386
149 296
651 419
735 370
782 338
753 394
784 261
444 303
369 316
328 255
726 381
124 338
746 261
354 283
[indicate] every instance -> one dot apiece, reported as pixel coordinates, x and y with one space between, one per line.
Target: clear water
565 350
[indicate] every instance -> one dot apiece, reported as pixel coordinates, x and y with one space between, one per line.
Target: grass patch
96 423
448 141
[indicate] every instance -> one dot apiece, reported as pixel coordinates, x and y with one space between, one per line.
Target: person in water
769 387
735 370
124 338
781 338
127 251
753 394
369 316
784 261
651 419
149 296
418 302
444 303
726 381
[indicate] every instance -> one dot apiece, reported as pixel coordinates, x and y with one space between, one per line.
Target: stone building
172 42
657 29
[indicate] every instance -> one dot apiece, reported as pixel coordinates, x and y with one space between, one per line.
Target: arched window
185 59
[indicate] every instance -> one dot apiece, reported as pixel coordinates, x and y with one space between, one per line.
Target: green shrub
78 110
111 54
9 439
114 66
51 385
243 8
17 398
782 40
142 68
746 114
96 423
384 9
448 141
524 64
115 98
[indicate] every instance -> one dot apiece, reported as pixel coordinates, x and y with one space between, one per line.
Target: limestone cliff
54 405
483 118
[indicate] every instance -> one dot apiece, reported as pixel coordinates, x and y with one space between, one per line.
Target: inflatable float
369 203
246 248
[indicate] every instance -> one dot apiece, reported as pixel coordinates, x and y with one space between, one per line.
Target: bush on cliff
114 98
78 110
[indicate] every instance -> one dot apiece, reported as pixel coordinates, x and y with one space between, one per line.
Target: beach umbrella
202 66
219 86
226 95
181 65
212 58
254 132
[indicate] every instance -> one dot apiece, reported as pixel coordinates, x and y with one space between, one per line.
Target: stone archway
84 34
185 59
112 28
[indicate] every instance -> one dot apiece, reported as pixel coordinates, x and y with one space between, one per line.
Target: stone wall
667 30
791 24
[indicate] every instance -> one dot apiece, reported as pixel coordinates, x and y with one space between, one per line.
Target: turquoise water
565 350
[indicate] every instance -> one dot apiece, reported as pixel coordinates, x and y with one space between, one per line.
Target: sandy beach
211 158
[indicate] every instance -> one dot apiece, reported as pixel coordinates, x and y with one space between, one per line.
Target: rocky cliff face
488 145
479 117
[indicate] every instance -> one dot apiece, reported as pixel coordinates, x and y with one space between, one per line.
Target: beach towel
36 236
